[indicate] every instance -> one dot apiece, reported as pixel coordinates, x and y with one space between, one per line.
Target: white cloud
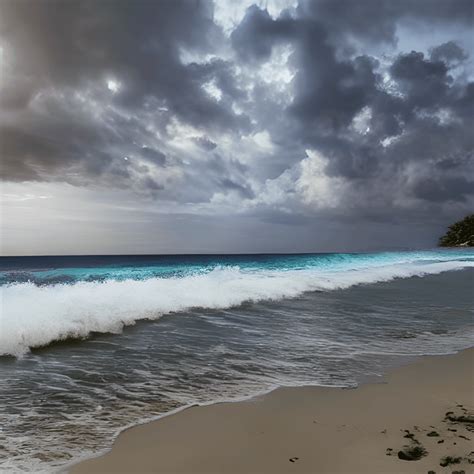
361 122
212 90
113 85
277 71
316 188
229 13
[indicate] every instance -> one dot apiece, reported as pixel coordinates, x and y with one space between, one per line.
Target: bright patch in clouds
113 85
229 13
212 89
316 187
361 122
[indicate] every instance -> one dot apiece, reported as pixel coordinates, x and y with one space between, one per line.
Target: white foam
33 316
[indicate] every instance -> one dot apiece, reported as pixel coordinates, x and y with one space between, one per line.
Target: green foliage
460 234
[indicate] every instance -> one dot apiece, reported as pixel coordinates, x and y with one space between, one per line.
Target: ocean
91 345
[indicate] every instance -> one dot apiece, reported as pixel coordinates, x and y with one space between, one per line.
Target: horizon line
204 254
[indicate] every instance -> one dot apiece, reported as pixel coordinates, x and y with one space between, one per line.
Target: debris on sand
447 460
412 453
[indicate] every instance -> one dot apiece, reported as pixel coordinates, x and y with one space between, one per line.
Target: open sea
90 345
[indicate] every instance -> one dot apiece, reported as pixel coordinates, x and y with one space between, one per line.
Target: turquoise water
47 299
50 270
93 344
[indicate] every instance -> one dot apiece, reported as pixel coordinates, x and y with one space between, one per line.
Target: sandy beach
418 418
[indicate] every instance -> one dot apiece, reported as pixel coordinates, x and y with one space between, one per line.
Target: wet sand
423 411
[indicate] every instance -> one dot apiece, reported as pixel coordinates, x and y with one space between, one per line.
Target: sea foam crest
34 316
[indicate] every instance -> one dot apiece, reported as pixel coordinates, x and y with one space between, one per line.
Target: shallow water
218 328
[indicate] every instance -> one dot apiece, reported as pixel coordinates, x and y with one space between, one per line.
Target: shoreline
251 435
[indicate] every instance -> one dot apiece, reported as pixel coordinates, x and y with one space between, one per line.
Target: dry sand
316 430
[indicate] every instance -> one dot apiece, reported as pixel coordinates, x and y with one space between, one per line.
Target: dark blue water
93 344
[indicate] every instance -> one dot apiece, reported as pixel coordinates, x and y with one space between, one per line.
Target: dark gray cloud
378 19
76 42
439 190
155 156
448 52
60 49
425 82
205 143
420 117
154 97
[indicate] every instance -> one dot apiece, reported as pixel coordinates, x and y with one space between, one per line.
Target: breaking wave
34 316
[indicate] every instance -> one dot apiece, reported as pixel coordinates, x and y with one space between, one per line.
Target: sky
194 126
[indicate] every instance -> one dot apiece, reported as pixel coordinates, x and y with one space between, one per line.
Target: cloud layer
298 113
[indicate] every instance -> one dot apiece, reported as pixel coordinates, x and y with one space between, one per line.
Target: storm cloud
322 111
